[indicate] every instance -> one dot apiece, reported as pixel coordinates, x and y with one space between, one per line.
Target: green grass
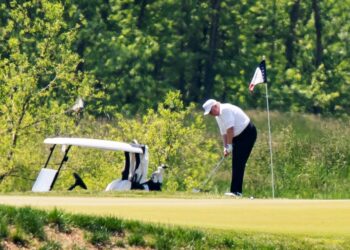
31 221
146 235
4 231
325 218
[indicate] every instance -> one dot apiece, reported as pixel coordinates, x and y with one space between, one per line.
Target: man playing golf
238 134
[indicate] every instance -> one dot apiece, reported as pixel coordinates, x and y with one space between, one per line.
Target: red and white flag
259 76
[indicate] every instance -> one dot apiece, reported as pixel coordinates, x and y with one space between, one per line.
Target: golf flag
259 76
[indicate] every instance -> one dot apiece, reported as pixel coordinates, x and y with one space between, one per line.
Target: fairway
326 218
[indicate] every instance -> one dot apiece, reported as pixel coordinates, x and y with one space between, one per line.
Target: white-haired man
239 136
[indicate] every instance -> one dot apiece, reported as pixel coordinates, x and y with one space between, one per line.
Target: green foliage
175 239
310 156
176 136
39 80
124 56
18 237
136 240
31 221
4 231
98 223
140 50
168 237
58 219
100 237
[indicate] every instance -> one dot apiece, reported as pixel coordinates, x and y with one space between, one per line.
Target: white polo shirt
231 116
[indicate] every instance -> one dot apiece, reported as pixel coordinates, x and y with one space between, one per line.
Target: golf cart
134 175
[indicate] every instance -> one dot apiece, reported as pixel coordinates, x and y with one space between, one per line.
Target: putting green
325 218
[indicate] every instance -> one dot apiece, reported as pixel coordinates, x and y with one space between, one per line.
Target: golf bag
134 173
156 180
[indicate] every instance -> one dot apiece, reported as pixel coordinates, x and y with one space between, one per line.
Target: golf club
212 172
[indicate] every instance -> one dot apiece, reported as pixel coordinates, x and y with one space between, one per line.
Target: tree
39 78
212 47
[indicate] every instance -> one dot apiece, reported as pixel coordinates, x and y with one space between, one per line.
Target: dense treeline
125 56
137 50
134 51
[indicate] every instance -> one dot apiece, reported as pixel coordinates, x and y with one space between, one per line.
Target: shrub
177 136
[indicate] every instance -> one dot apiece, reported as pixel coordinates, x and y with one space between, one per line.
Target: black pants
242 146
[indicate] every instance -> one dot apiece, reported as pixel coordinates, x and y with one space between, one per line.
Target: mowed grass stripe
326 218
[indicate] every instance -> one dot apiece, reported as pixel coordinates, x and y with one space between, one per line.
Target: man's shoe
235 194
238 194
230 194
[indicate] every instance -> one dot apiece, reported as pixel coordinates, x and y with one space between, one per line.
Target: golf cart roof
95 143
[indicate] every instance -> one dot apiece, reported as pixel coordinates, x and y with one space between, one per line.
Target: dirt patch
75 238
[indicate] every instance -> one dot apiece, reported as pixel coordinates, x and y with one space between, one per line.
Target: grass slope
316 222
31 228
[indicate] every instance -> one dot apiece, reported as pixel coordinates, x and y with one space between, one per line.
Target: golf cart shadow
134 174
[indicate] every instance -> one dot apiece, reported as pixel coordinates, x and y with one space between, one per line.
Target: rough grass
311 157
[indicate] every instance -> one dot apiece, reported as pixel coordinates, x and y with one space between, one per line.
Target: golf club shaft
213 171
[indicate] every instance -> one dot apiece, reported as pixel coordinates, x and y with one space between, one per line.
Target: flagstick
270 142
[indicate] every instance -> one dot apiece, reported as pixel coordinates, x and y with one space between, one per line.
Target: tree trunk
213 41
141 16
17 128
293 16
274 29
318 27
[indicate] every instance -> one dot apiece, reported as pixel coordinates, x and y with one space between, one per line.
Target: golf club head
196 190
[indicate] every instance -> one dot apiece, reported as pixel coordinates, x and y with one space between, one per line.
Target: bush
177 136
